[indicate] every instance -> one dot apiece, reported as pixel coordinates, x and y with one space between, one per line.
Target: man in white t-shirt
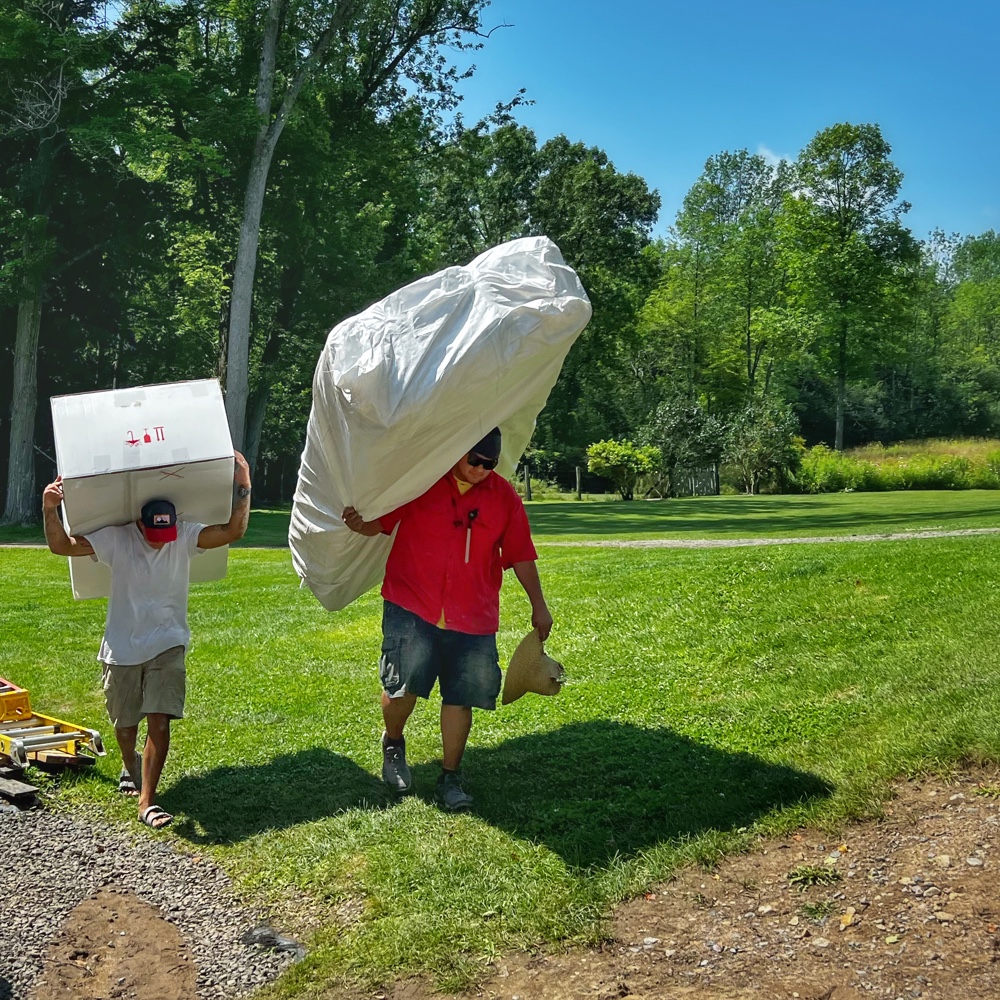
146 632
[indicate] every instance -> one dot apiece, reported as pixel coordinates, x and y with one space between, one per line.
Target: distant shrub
623 463
824 471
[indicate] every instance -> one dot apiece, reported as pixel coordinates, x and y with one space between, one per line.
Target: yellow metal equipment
29 738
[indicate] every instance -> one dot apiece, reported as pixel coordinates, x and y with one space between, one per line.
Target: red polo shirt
427 571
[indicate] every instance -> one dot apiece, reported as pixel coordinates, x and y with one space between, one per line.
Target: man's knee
157 723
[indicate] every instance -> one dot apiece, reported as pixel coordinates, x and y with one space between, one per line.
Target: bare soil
113 946
903 906
914 913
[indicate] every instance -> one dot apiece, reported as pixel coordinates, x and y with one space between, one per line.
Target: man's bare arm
55 534
527 575
214 536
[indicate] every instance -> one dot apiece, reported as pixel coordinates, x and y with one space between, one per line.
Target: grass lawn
714 695
706 517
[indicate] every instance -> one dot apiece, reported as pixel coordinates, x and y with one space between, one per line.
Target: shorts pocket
389 666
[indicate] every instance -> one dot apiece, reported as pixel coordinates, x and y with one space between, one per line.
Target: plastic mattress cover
405 388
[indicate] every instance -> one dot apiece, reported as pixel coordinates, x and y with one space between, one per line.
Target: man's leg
470 678
126 737
154 756
163 692
395 712
123 697
395 771
406 670
456 724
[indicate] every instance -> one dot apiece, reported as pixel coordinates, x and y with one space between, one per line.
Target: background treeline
204 188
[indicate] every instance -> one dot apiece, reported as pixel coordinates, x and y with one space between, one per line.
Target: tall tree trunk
291 282
22 505
238 353
256 411
841 385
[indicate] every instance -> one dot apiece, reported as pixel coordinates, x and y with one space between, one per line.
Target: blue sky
661 86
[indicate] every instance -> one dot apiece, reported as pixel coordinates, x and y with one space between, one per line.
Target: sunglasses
476 460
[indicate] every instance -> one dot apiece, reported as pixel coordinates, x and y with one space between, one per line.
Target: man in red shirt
442 605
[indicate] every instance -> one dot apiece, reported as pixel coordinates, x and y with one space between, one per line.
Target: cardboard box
120 448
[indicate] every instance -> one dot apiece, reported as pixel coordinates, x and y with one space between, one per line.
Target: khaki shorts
155 687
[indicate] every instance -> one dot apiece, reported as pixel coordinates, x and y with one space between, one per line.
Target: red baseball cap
159 521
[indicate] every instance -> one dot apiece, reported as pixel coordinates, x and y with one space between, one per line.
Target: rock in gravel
267 937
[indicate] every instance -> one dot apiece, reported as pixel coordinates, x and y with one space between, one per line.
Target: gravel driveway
51 861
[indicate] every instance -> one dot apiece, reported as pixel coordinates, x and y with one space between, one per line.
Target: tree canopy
194 189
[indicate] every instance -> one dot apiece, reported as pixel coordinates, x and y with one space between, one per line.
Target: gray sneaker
449 792
395 770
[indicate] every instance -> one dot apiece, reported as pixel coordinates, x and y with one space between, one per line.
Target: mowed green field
714 695
734 516
708 517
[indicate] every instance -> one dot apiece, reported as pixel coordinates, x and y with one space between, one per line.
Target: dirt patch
113 946
901 907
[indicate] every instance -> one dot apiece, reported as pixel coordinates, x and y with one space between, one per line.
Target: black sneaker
450 794
395 770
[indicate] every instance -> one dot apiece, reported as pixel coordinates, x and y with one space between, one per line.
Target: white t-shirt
147 609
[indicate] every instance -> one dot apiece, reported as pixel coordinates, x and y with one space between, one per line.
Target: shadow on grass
230 804
593 790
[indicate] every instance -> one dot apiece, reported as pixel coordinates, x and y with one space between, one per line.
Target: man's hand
359 525
241 470
52 495
542 620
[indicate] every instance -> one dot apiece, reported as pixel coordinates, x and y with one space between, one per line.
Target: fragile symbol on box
145 439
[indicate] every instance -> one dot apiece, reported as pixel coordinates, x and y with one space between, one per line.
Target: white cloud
771 158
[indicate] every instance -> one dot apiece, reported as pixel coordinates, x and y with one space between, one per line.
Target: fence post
527 482
579 495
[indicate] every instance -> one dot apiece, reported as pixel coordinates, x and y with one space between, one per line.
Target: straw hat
531 670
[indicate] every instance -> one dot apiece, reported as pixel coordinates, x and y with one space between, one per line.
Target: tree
761 442
848 254
363 48
623 463
54 146
973 316
730 215
687 436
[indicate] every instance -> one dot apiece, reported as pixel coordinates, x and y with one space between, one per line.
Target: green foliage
849 259
761 444
687 436
819 910
806 875
623 463
824 471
